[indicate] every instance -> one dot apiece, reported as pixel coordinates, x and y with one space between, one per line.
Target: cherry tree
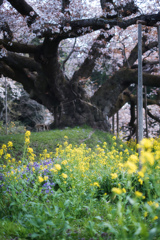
33 31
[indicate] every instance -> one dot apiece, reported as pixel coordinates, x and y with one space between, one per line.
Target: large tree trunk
43 78
65 99
79 112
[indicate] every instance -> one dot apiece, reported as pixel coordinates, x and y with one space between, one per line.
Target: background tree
31 35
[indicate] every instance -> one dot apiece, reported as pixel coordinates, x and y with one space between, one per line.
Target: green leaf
56 209
139 229
34 235
131 200
98 217
152 233
107 225
29 216
67 203
33 223
50 222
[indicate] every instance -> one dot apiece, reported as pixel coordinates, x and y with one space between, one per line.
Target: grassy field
49 139
78 183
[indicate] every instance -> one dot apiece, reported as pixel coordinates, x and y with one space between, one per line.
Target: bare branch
64 62
121 10
7 33
65 5
89 63
152 116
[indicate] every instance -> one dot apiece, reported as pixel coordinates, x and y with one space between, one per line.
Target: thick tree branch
133 98
134 53
116 85
18 47
97 24
89 63
31 83
17 75
24 9
19 62
6 70
75 28
148 79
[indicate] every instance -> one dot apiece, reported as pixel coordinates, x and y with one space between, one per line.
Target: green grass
8 229
50 139
94 178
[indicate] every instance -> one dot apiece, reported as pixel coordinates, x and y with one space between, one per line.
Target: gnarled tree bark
43 78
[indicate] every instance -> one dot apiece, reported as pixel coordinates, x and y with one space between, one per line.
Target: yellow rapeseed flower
10 144
147 157
57 167
150 203
30 150
40 179
133 158
114 175
4 147
117 190
45 178
27 134
120 165
138 194
64 162
32 157
140 180
27 140
96 184
64 175
145 214
141 174
8 156
146 143
53 169
155 204
1 152
155 218
131 167
65 143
